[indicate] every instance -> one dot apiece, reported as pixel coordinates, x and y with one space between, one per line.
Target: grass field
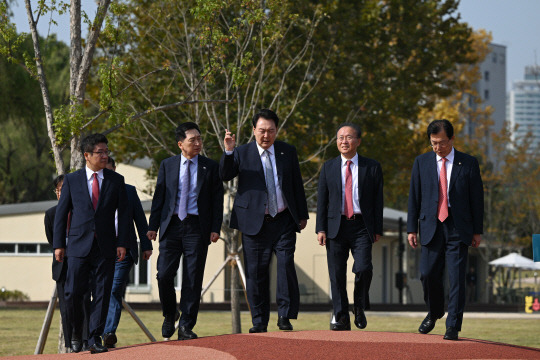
19 329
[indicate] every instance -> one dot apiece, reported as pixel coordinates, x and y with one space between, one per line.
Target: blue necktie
184 195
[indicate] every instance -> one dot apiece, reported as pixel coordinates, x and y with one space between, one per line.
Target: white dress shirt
90 180
354 172
281 202
449 165
192 199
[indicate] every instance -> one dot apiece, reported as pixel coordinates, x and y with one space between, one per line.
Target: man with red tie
446 206
349 218
92 195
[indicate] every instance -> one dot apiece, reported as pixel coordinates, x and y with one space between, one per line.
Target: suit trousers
353 236
120 281
445 248
182 238
66 324
277 235
92 271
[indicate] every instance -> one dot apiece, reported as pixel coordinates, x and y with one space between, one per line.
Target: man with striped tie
269 208
446 208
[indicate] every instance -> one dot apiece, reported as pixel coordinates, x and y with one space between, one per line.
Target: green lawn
19 329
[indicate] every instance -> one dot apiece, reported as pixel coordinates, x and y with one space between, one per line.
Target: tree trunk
235 300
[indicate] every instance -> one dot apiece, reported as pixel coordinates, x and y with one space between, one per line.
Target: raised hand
229 141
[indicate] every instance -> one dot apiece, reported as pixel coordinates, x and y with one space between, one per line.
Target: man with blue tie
349 218
187 208
269 208
446 208
92 195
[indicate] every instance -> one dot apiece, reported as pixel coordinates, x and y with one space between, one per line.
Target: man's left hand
120 253
303 224
214 237
476 240
146 254
377 237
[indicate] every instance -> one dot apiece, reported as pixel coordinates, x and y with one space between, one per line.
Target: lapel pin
204 167
281 153
459 163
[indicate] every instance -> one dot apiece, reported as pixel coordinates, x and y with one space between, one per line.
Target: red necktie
442 208
95 191
349 210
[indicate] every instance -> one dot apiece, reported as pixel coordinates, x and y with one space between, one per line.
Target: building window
486 94
486 75
494 57
7 248
24 249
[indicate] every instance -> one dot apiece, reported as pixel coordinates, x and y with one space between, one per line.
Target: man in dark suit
446 206
187 208
59 270
269 208
92 196
122 268
349 218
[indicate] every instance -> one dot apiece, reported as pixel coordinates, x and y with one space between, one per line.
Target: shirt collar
90 173
194 160
354 160
261 150
449 157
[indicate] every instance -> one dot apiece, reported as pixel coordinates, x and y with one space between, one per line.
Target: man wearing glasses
446 208
187 209
91 195
349 218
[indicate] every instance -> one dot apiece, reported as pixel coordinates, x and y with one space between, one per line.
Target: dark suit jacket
136 213
87 223
465 194
57 267
209 196
370 192
250 201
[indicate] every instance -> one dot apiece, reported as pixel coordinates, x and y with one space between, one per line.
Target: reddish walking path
312 345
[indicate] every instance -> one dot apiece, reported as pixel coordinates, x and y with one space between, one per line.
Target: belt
269 218
355 217
188 216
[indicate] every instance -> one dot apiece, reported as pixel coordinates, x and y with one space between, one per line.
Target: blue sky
513 23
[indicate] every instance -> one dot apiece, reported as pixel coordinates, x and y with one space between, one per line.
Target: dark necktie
349 209
95 191
442 208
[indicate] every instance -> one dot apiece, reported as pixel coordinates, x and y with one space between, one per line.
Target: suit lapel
456 168
83 181
201 173
335 168
255 158
433 174
174 175
279 155
361 175
105 184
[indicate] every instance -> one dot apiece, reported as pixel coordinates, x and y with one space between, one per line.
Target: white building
524 106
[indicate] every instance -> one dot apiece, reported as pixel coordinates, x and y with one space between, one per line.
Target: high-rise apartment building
524 107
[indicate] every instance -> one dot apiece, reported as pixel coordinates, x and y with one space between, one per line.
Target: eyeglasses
100 153
442 144
348 138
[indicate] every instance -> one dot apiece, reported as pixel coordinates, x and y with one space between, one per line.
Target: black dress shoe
257 329
76 344
427 325
97 348
167 330
85 346
451 334
360 318
185 333
284 323
342 325
109 339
